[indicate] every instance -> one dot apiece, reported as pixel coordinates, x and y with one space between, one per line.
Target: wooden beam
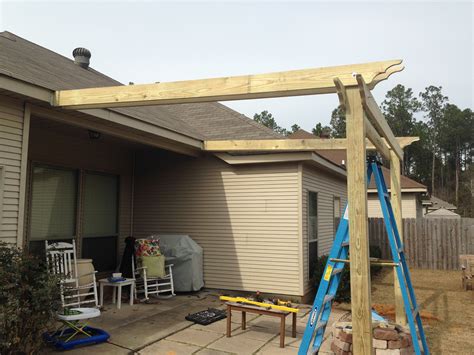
279 84
377 141
283 145
374 114
358 225
396 199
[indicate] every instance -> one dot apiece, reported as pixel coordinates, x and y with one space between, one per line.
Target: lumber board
358 224
377 141
396 200
376 116
286 145
279 84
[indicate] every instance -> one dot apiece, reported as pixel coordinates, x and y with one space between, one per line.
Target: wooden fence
430 243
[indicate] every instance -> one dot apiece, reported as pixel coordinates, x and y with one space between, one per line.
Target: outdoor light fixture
94 134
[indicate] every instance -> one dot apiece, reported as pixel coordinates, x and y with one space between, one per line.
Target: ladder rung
320 325
400 249
414 313
328 298
345 243
337 270
386 194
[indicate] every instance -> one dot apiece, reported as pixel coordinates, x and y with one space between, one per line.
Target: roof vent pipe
81 57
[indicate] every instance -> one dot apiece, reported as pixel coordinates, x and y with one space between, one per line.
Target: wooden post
358 224
396 199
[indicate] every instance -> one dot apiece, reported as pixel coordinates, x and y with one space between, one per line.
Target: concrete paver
206 351
237 345
167 347
195 337
272 349
217 327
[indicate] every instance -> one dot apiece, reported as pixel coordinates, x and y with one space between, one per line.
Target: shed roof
29 62
442 213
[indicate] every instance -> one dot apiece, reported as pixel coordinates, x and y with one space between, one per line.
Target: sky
146 42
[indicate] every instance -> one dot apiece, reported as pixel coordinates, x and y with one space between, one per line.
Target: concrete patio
160 328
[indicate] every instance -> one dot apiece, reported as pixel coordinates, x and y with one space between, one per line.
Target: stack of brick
389 339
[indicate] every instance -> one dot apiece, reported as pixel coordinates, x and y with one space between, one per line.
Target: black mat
206 317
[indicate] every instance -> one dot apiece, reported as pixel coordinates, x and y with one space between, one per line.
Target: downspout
132 192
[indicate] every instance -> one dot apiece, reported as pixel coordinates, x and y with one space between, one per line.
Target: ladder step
400 249
414 313
345 243
327 299
385 194
320 325
337 270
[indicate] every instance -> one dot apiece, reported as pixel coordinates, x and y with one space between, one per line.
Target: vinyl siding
244 217
79 152
327 186
409 205
11 136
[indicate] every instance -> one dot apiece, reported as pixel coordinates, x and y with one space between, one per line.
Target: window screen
53 203
100 205
337 212
312 232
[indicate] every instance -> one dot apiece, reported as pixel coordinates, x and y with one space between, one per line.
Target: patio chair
61 260
146 285
467 267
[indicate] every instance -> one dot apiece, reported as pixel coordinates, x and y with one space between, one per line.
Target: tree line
441 160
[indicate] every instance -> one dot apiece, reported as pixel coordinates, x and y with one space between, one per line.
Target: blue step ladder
338 257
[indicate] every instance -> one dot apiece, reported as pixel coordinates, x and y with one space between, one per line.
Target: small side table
117 285
244 308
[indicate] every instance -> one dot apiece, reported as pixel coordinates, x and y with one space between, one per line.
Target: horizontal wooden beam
286 145
279 84
376 117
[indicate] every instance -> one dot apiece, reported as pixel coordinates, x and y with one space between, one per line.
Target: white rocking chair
61 260
146 286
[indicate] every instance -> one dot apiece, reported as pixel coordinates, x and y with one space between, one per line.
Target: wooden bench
244 308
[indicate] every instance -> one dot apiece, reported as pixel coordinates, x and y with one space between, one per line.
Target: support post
396 199
358 225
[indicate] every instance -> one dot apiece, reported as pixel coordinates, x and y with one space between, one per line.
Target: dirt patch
446 309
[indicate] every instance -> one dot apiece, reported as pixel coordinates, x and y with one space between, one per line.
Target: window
312 232
53 203
53 206
100 220
337 212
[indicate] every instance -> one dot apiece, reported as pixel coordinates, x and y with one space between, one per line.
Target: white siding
409 208
327 186
11 135
244 217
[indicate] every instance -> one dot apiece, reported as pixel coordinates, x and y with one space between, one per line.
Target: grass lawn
448 316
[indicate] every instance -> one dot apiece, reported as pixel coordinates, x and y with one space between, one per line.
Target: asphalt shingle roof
34 64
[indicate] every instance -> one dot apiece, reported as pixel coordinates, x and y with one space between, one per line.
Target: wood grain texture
279 84
358 228
377 141
376 117
396 200
287 145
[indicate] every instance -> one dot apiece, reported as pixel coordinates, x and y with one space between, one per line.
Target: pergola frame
364 120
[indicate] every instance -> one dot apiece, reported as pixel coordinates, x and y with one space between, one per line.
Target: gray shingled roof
32 63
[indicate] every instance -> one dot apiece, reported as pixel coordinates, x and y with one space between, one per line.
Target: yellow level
260 304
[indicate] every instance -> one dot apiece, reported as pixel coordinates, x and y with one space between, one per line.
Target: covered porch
81 183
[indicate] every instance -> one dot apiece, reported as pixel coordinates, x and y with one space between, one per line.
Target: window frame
335 225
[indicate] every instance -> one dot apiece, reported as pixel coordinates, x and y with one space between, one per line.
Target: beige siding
74 149
244 217
327 186
11 136
409 208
